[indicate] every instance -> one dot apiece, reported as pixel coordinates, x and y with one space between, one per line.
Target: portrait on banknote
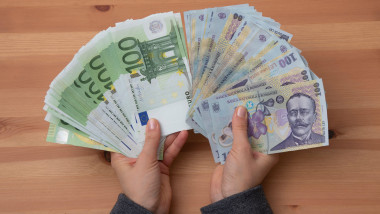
301 114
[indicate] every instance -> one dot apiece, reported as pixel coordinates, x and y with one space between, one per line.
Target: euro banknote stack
125 75
240 58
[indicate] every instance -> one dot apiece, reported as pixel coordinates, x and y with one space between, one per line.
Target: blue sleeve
127 206
251 201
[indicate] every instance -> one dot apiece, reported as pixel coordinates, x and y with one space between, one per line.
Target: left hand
145 180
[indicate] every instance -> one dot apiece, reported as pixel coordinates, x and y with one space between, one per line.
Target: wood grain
340 39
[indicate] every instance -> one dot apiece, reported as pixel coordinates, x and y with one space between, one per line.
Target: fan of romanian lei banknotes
240 58
140 69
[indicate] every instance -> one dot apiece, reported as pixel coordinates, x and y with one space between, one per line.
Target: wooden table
340 39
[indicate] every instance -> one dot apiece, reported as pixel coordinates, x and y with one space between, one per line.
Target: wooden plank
338 38
347 209
311 37
62 16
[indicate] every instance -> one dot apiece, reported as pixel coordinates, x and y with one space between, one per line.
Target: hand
145 180
244 168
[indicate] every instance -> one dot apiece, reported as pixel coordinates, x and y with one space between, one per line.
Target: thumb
239 129
152 140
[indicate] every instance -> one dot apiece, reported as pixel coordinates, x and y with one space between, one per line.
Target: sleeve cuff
250 201
126 206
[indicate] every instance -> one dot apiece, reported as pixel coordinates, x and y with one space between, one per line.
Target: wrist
124 203
147 204
229 191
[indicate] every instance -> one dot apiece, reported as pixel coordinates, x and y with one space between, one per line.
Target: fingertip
239 128
271 157
152 129
241 112
183 135
239 119
175 148
115 155
267 159
181 138
152 124
152 140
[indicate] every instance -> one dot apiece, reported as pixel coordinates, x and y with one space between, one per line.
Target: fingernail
152 124
241 112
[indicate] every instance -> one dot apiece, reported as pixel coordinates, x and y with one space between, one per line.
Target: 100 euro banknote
64 133
121 78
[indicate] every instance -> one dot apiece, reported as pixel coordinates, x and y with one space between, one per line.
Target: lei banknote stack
240 58
141 69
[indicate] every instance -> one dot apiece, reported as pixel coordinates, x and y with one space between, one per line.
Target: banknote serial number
188 97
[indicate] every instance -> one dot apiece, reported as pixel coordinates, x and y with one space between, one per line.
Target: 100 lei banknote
203 116
292 118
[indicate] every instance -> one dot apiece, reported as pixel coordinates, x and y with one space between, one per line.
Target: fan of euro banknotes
125 75
141 69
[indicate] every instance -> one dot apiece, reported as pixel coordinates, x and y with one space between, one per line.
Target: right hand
244 168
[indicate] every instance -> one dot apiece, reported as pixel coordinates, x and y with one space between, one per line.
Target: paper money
125 75
289 118
62 135
246 85
240 57
142 69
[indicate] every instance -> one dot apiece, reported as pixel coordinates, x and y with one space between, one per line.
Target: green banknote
125 75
